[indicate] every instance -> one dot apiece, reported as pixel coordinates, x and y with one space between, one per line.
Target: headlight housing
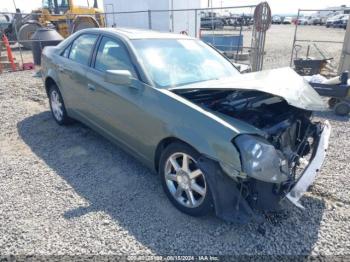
261 160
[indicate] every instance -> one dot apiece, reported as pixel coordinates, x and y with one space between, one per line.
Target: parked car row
212 23
337 21
282 20
218 22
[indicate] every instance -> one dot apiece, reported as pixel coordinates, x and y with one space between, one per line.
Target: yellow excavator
65 16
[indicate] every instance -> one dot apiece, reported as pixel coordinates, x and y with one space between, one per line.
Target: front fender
209 134
216 148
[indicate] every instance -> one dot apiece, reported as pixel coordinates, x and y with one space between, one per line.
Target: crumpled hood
282 82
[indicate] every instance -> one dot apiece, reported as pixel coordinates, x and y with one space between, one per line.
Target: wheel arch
216 147
49 81
164 143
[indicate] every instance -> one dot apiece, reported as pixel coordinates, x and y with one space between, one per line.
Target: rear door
72 72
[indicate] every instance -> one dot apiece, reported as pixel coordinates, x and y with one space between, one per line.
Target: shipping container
167 21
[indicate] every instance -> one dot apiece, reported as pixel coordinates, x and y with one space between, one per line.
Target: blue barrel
224 42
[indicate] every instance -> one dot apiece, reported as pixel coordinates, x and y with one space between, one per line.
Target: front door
118 109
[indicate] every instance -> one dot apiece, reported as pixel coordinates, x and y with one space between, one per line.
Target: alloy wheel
56 105
185 181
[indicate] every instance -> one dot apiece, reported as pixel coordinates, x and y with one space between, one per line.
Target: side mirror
242 68
118 77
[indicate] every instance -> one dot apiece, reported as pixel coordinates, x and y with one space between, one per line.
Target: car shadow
115 183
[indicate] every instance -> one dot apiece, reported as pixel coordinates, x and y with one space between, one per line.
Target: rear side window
112 55
65 53
82 48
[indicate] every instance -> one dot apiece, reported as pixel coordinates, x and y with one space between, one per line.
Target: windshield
59 5
175 62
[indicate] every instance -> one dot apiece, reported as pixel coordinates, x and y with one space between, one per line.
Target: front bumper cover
231 206
310 172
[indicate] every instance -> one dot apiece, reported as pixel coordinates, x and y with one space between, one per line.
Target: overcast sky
277 6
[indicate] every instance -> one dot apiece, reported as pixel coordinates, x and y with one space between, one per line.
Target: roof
134 33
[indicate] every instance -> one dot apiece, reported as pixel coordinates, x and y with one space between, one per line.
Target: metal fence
322 45
229 29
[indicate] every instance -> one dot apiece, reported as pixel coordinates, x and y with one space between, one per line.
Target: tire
25 33
342 109
58 109
332 102
177 185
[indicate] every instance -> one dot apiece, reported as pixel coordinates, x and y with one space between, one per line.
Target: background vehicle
63 15
338 23
303 21
212 23
334 20
287 20
216 137
276 20
316 20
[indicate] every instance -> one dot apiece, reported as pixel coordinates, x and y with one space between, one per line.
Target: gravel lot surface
67 190
279 40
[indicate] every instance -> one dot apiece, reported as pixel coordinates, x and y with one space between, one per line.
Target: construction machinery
65 16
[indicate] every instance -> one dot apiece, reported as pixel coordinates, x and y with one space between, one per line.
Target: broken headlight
261 160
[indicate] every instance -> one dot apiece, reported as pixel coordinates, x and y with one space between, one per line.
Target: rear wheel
58 109
183 182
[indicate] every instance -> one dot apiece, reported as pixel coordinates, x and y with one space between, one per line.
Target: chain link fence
228 29
319 35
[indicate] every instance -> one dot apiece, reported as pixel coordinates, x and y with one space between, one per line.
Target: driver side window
80 51
112 55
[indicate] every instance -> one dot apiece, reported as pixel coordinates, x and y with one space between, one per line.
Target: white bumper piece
310 172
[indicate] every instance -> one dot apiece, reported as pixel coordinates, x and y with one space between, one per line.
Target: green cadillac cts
221 141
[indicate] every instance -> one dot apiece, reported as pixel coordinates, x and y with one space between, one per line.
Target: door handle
60 68
91 87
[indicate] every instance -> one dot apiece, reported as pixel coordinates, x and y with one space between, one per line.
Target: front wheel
183 182
58 109
342 108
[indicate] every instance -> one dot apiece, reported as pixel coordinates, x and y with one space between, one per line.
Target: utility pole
14 4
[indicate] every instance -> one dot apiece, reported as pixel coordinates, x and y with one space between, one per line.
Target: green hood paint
282 82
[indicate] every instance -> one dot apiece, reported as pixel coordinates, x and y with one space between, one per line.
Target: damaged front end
279 163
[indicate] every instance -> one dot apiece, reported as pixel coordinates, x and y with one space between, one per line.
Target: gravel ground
279 40
67 190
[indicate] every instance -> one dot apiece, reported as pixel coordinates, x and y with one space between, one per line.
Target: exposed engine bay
288 128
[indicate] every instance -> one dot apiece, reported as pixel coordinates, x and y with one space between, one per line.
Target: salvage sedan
221 141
